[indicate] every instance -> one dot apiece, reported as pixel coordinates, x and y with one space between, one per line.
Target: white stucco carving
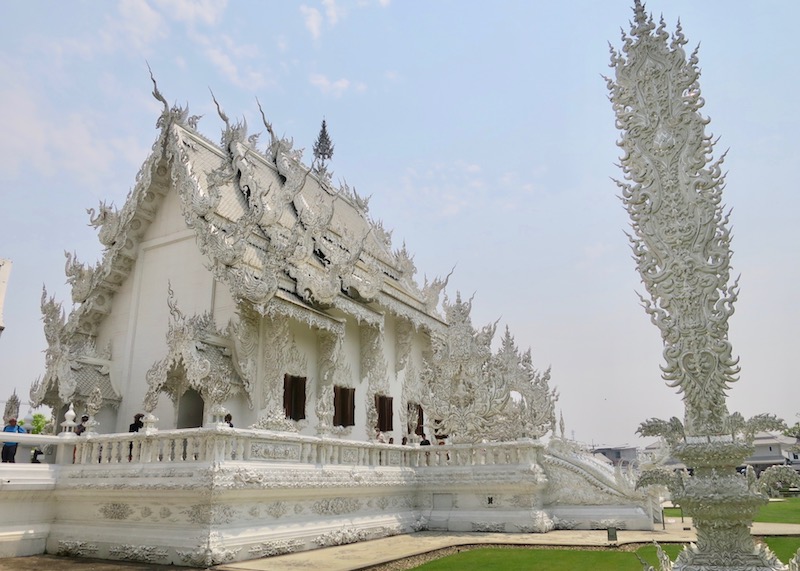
309 286
681 244
198 357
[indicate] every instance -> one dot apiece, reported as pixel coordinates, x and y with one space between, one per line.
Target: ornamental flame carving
680 240
464 392
196 358
681 244
531 413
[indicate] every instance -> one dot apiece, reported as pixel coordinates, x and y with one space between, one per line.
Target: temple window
294 397
344 406
383 405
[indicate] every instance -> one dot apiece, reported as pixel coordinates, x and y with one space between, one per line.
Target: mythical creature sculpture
107 219
432 290
465 393
79 276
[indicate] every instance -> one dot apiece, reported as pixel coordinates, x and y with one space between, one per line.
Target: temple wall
137 325
306 340
207 496
28 506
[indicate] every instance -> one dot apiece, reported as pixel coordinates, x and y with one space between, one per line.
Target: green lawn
783 547
494 559
785 511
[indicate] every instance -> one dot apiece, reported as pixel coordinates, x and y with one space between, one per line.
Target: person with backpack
10 448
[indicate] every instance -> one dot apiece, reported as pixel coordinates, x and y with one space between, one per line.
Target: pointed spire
323 148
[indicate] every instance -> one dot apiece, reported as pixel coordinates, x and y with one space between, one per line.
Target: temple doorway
190 409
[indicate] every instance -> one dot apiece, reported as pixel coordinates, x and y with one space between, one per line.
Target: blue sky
482 131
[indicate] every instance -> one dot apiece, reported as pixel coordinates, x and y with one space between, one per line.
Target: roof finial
219 109
156 92
323 148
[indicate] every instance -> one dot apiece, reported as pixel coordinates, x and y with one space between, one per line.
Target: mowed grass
783 547
784 511
497 559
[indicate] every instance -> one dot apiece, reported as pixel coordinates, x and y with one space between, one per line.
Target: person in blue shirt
10 448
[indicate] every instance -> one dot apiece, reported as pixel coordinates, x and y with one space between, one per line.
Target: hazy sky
481 130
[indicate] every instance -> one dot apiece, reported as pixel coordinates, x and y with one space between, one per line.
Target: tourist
81 428
137 423
10 448
229 419
134 427
426 442
447 456
379 437
404 441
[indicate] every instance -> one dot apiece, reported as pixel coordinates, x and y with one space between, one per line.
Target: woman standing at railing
10 448
134 427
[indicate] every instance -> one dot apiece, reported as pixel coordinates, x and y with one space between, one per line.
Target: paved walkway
369 553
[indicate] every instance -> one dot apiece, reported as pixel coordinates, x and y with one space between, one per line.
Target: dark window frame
294 397
344 406
384 406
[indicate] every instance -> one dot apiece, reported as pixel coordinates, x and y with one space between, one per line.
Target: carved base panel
600 517
197 514
225 544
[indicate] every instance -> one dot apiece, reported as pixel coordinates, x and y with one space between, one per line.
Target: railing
228 444
221 444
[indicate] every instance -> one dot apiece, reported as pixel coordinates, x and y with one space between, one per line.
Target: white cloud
231 59
52 144
23 126
328 87
384 3
313 20
191 11
449 188
282 43
332 11
391 75
139 23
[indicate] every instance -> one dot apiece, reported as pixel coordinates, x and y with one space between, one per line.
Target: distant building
771 449
774 450
619 455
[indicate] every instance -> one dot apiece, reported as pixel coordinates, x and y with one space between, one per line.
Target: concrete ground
383 551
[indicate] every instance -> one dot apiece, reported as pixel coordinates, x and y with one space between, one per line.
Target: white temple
238 280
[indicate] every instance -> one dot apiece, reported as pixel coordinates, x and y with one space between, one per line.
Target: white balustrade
223 444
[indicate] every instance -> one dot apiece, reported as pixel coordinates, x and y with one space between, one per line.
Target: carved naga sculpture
107 220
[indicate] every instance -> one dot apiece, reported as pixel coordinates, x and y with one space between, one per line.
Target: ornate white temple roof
276 231
271 228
